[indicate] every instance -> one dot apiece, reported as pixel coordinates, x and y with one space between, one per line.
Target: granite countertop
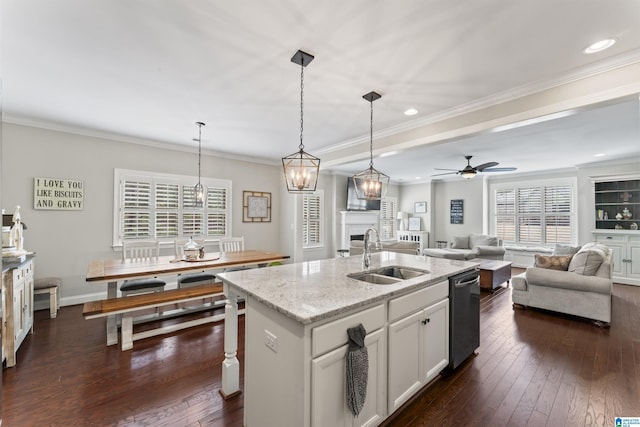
315 290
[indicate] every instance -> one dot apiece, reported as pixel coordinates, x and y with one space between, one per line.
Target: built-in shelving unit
617 198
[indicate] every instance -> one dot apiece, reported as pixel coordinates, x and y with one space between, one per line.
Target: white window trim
571 181
321 244
120 174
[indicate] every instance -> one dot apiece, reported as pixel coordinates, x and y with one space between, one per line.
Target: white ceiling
147 70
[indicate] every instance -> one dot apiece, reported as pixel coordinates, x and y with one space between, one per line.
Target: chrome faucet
366 253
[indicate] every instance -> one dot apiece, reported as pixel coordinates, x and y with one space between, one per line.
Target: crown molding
92 133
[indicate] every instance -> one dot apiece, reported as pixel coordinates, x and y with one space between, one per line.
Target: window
535 214
161 206
312 230
388 218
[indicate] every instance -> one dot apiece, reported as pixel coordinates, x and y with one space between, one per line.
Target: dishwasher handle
475 280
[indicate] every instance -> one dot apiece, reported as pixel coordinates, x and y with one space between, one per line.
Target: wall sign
58 194
457 211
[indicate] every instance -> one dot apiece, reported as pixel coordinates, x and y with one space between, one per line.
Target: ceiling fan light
468 174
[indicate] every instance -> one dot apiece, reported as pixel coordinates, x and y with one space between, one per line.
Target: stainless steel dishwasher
464 316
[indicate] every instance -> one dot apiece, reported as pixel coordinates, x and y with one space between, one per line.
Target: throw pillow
460 242
552 262
595 246
586 262
561 249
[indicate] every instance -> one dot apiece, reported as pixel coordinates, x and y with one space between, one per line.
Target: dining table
114 270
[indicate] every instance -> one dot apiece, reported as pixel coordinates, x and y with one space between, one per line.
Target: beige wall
65 241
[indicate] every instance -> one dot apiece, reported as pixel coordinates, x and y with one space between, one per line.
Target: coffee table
493 273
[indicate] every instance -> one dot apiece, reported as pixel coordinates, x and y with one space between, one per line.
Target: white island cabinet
296 342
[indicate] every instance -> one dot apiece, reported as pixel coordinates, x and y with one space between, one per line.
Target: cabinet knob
609 237
425 321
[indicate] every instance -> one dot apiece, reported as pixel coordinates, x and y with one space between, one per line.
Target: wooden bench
135 305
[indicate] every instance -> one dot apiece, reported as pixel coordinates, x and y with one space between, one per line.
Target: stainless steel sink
402 273
388 275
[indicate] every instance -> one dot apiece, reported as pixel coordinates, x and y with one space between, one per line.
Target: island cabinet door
328 387
404 359
435 343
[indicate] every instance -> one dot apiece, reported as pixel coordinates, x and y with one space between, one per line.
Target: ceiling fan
470 171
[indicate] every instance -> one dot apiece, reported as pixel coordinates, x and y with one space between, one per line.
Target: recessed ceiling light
599 46
418 177
599 155
411 112
388 153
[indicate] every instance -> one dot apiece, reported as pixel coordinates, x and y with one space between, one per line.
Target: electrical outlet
271 341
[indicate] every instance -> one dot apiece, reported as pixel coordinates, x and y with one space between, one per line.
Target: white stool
49 285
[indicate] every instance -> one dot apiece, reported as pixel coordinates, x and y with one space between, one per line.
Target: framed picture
414 224
256 206
457 211
420 207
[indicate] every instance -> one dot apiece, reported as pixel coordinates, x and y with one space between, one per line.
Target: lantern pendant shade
371 184
301 172
301 168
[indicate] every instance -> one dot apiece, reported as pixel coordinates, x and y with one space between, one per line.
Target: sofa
576 281
356 247
469 246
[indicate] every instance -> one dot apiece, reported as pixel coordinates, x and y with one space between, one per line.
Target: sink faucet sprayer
366 253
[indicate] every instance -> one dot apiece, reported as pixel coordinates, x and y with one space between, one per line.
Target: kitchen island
296 322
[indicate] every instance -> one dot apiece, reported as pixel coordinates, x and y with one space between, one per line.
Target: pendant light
198 188
371 184
301 168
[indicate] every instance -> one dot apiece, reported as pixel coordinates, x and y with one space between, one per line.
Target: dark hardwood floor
533 368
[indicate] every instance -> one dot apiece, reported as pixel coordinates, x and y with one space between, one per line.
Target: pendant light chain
371 137
301 146
199 148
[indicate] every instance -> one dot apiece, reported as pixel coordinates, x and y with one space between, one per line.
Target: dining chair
191 279
141 251
231 244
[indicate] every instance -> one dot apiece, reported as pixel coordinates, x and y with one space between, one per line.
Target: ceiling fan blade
499 169
446 173
441 169
486 165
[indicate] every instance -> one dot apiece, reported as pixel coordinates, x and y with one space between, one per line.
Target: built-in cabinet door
328 387
633 258
404 363
19 310
435 345
617 246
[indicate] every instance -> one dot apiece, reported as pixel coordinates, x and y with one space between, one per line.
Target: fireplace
353 225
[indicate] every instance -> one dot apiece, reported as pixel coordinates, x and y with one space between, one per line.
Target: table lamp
402 217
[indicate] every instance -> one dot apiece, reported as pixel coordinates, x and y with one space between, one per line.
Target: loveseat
469 246
575 281
356 247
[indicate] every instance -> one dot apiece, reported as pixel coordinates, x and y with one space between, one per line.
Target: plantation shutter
557 209
506 215
167 202
530 215
217 215
136 219
388 214
311 220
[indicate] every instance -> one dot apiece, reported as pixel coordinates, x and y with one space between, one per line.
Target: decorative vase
626 214
633 226
618 216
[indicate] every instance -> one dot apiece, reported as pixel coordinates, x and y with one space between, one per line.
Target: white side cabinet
420 237
418 341
18 317
625 248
